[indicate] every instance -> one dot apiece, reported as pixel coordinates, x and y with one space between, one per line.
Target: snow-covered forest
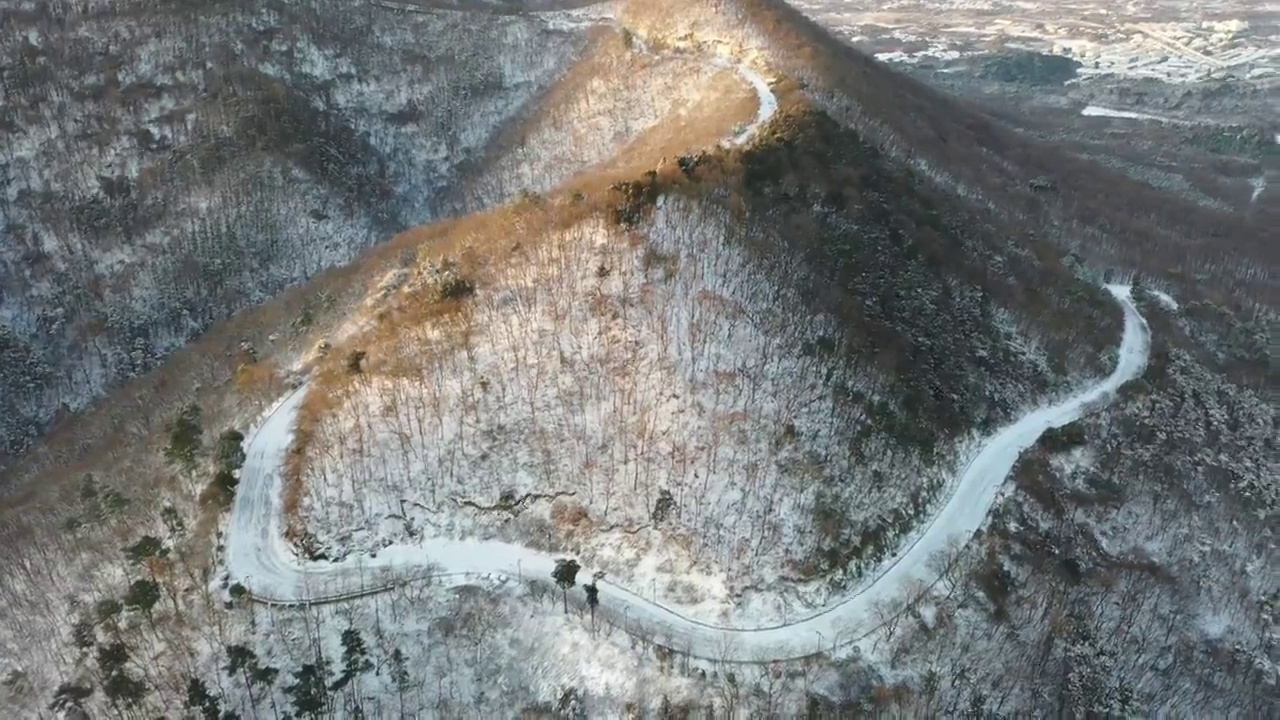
1132 561
626 388
736 377
165 166
664 399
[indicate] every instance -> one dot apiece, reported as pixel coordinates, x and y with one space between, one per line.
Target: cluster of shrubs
442 281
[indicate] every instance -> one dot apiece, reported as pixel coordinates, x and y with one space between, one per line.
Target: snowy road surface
767 107
1259 184
258 556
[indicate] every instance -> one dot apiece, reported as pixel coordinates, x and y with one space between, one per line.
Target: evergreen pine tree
184 439
355 658
173 522
148 546
121 689
143 596
308 693
70 696
231 450
565 574
82 635
593 600
400 675
243 661
200 699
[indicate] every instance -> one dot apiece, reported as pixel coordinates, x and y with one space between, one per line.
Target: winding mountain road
258 557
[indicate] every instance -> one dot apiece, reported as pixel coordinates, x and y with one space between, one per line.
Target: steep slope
147 191
617 92
256 557
654 332
97 501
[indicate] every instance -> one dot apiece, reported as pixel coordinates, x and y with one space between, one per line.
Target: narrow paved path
258 557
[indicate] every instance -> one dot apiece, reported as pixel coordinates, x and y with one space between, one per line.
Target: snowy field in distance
1142 40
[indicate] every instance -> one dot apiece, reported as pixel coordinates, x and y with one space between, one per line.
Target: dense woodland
166 165
1128 569
657 380
1103 583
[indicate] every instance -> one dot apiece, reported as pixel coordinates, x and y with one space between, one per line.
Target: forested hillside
165 165
670 360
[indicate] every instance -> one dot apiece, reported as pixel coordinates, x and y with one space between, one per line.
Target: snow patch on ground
768 104
1259 185
1165 299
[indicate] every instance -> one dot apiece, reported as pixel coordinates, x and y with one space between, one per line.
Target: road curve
258 557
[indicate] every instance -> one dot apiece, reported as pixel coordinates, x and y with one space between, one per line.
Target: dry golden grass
707 121
569 517
261 380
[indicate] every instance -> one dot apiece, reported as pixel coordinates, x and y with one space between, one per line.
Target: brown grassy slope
915 276
614 90
1117 222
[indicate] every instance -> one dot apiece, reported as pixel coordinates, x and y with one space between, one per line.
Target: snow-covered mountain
161 170
855 398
